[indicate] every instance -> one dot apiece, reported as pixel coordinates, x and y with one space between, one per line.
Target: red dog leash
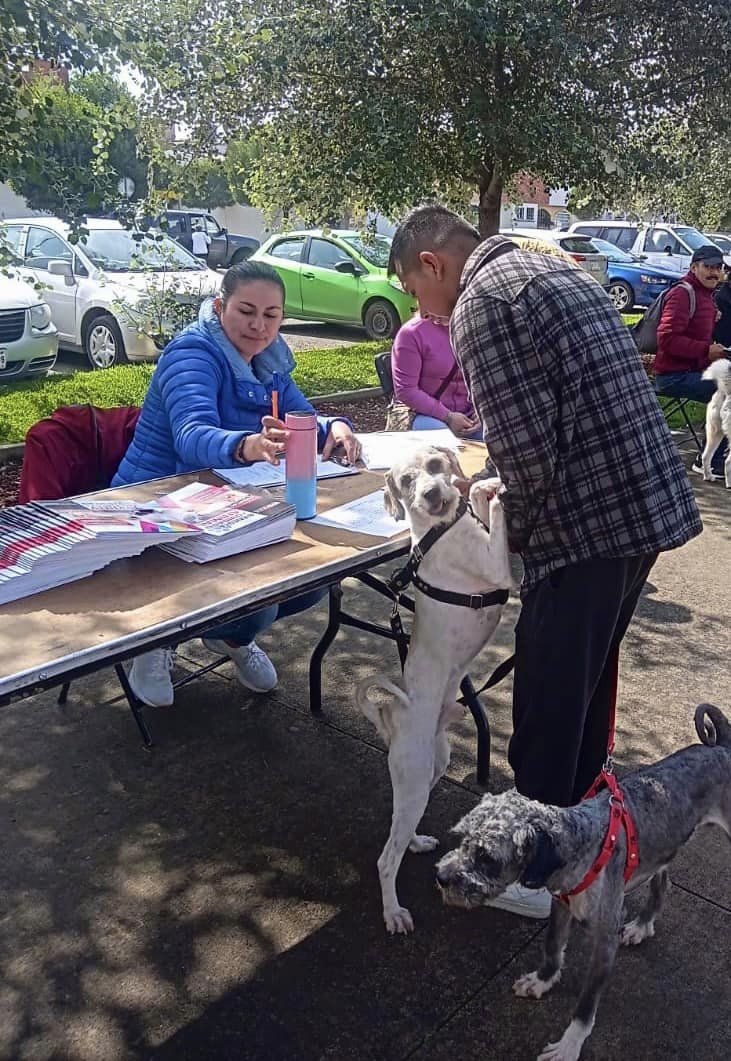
620 816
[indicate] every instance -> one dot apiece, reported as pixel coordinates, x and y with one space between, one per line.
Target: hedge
23 403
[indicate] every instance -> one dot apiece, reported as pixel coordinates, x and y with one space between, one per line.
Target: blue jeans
243 631
430 423
692 385
685 385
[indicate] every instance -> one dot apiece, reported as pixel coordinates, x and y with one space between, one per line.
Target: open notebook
262 474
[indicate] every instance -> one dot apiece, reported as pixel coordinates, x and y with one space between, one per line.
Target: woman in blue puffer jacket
209 406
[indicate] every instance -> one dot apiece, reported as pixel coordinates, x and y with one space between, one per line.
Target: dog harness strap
399 581
632 857
607 850
399 634
501 671
619 818
409 573
464 600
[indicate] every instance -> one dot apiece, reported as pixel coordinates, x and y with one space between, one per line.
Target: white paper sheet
97 505
264 474
365 515
382 449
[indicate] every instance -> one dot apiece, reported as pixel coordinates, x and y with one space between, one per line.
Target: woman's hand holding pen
268 445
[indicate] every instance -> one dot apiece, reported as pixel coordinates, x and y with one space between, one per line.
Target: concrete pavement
218 898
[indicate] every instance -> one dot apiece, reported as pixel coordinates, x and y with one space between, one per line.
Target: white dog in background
470 558
718 417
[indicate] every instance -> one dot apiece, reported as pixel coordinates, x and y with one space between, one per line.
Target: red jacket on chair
682 340
77 449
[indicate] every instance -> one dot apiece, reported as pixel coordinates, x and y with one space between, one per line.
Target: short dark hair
246 273
427 228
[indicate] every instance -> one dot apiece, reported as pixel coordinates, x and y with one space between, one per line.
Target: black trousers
566 642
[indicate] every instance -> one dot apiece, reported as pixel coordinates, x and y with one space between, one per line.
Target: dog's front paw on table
531 985
398 921
420 844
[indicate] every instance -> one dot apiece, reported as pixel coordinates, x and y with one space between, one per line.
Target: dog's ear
453 462
543 860
392 498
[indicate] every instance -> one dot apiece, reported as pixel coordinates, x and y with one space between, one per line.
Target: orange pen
275 395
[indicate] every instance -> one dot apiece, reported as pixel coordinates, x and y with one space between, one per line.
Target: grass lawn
22 404
696 411
325 371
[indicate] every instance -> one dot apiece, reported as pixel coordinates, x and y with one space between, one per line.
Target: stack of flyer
48 543
227 521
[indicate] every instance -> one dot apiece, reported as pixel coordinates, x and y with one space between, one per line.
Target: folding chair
383 368
683 436
76 449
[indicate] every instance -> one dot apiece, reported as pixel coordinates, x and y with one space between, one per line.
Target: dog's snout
432 495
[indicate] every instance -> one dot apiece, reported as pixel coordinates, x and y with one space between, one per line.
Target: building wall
243 221
12 205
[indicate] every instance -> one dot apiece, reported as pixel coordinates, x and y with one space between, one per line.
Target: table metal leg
135 705
64 694
472 700
333 625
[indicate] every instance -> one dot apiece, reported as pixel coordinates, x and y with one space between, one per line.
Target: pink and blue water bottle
301 467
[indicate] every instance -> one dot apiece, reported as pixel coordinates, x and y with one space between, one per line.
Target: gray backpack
645 331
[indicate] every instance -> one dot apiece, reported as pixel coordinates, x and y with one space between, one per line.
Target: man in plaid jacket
593 487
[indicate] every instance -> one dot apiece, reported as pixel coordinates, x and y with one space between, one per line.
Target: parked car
226 248
579 248
28 338
338 276
722 240
621 233
93 286
632 280
662 244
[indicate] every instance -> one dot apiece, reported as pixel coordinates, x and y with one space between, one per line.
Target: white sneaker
528 902
254 668
149 677
697 467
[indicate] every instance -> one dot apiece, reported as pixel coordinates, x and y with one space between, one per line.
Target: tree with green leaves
84 141
675 169
382 103
75 34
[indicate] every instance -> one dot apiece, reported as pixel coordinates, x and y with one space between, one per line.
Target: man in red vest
685 346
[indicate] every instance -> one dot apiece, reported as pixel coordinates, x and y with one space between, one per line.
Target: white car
28 339
662 244
722 240
94 286
580 248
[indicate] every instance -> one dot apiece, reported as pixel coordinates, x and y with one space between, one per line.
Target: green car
338 276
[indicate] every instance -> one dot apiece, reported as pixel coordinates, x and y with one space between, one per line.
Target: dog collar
409 573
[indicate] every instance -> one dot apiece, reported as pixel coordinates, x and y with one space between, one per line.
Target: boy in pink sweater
421 359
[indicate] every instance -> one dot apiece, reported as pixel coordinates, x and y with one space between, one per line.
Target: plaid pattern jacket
571 421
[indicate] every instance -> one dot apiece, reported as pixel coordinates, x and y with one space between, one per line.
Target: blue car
632 281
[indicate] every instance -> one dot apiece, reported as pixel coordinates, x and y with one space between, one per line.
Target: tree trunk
491 196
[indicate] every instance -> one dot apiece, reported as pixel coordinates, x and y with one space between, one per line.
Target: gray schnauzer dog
510 838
